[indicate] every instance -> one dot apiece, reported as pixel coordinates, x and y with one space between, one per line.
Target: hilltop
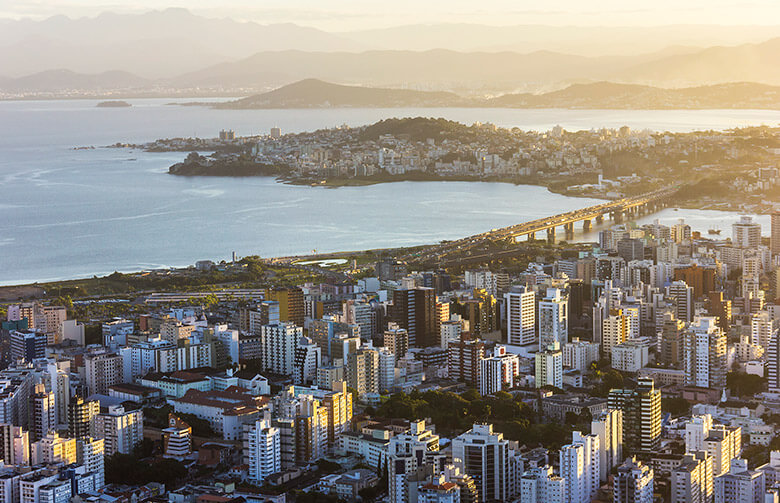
314 93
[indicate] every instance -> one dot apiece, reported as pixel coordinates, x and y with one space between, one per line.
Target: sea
68 210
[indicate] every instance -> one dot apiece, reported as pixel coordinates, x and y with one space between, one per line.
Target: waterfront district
642 368
727 170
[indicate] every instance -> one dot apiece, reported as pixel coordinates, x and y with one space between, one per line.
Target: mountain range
176 52
312 93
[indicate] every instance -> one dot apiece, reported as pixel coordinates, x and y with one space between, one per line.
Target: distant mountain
313 93
495 72
608 95
748 62
154 44
580 40
61 81
434 69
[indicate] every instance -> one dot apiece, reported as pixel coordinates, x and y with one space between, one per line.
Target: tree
675 406
741 384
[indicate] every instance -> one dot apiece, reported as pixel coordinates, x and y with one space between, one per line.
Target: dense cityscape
640 367
389 252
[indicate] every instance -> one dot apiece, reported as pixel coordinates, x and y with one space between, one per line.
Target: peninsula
731 170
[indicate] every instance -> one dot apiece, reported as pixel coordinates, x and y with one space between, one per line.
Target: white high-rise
614 331
773 364
122 430
521 316
539 485
277 347
746 233
609 428
740 485
262 450
306 361
548 367
633 483
579 467
705 354
553 318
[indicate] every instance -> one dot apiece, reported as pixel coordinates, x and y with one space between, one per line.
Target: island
113 104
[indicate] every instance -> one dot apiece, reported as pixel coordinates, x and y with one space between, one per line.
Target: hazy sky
346 15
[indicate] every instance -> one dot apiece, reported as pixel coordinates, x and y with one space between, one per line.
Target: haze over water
72 213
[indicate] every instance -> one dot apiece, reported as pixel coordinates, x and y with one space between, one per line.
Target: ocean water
68 213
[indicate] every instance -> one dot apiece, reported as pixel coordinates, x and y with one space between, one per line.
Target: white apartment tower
553 318
263 450
520 316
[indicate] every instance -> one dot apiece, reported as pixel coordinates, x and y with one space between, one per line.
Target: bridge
616 210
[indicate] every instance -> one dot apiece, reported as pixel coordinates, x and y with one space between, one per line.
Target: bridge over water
617 210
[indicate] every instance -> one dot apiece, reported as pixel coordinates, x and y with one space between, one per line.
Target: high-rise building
406 453
363 314
498 372
553 318
290 304
278 343
631 249
692 479
641 409
608 426
761 328
614 331
103 370
705 354
633 483
773 363
27 345
579 354
721 309
740 485
396 340
520 316
263 450
548 366
415 311
463 359
452 330
746 233
122 430
14 445
722 443
54 317
682 295
482 454
324 330
775 238
579 467
81 416
54 449
177 438
672 335
306 361
43 413
363 371
90 454
539 485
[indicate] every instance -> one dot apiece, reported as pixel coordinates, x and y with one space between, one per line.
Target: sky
349 15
